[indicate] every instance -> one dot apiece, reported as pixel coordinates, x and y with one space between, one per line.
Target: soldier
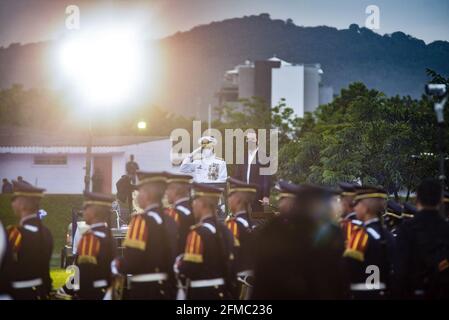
408 211
348 222
150 243
240 197
393 216
347 200
32 245
423 248
5 265
203 164
295 250
178 196
209 252
287 197
96 248
371 246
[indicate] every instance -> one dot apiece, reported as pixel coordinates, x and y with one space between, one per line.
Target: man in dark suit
249 172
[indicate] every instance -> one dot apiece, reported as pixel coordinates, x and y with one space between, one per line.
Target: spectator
125 190
131 169
20 179
97 181
7 186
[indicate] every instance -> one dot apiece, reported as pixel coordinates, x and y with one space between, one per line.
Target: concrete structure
275 79
56 162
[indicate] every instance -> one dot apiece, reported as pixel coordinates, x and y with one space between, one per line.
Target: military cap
205 190
370 192
287 189
150 177
241 186
409 210
313 191
178 178
347 189
98 199
207 141
23 189
394 209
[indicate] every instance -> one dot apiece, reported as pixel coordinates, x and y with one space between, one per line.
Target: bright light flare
141 125
104 66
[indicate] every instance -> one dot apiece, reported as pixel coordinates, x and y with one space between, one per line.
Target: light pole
87 176
440 94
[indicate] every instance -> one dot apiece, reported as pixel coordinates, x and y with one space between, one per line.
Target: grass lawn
59 213
59 277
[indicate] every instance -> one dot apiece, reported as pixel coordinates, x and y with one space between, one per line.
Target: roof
24 137
283 62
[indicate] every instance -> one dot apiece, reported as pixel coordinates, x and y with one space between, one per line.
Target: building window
50 160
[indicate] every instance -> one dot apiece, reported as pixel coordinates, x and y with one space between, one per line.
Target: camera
437 90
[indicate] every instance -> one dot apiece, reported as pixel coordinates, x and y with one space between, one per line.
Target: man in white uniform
203 164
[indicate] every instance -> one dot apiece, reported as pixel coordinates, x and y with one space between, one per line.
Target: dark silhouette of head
429 194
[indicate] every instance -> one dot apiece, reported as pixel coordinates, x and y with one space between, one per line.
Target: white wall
151 156
288 82
69 179
55 178
312 81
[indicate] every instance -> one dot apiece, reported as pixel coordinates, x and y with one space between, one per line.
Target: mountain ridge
195 60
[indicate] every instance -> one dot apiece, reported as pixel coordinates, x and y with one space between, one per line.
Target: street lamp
141 125
103 67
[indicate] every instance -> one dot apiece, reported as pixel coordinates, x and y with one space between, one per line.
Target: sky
24 21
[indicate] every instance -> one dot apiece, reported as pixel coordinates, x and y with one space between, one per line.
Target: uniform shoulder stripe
155 216
374 233
231 224
184 210
15 238
88 248
243 222
194 248
137 234
357 245
210 227
30 228
100 234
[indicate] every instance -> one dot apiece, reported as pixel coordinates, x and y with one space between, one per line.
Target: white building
275 79
57 163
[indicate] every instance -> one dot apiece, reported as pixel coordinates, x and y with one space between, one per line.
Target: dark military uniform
408 211
296 256
208 256
5 264
423 255
32 245
242 229
371 246
393 216
181 213
96 250
348 190
150 248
